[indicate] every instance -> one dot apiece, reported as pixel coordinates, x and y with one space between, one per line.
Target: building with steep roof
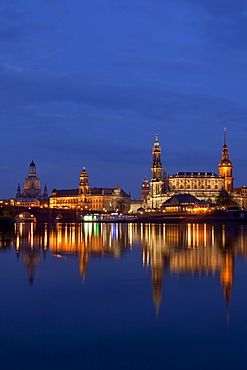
91 199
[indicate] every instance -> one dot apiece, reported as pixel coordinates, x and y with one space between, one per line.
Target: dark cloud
40 89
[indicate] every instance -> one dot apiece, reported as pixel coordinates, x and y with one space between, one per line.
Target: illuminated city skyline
89 84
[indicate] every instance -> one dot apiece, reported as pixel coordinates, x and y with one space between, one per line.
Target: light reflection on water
166 251
179 248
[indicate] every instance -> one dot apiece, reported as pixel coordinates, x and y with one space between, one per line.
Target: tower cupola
32 169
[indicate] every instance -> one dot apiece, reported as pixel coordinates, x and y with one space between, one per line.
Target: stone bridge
49 214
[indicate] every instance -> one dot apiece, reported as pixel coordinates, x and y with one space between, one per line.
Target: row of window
195 187
65 200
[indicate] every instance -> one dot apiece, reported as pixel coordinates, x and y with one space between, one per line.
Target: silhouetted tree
6 215
225 200
122 206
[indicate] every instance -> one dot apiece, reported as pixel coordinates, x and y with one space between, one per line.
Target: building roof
183 199
197 174
107 191
65 192
93 191
101 191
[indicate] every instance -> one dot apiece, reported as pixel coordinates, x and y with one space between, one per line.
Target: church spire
45 194
18 193
156 164
225 152
225 136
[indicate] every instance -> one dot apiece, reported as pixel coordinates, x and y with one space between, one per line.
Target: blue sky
89 83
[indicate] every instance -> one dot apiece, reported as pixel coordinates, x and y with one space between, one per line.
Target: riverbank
219 216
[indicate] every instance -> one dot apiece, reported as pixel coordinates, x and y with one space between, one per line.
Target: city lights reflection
199 249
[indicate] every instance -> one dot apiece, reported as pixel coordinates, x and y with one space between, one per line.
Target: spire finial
156 137
224 136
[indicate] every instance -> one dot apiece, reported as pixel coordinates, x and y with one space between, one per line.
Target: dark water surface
124 296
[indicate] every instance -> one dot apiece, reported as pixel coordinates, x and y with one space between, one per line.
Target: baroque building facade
202 185
31 194
91 199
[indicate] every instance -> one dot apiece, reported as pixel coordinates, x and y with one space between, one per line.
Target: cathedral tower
156 164
156 183
225 166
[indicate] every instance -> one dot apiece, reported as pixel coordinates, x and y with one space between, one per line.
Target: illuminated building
145 189
31 194
202 185
91 199
225 167
184 202
136 206
241 193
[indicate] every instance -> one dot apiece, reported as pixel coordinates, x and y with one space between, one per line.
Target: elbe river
124 296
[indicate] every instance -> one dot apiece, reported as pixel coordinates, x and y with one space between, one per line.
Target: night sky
90 82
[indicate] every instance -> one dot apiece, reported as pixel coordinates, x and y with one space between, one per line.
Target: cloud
218 8
222 23
27 30
41 90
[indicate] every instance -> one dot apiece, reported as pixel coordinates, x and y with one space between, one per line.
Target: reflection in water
178 248
82 240
192 249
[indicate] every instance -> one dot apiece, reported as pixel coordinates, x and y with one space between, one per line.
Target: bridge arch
25 216
48 214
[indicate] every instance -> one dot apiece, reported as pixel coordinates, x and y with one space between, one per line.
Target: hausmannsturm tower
225 166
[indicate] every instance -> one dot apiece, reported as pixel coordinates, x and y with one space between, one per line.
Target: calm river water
124 296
